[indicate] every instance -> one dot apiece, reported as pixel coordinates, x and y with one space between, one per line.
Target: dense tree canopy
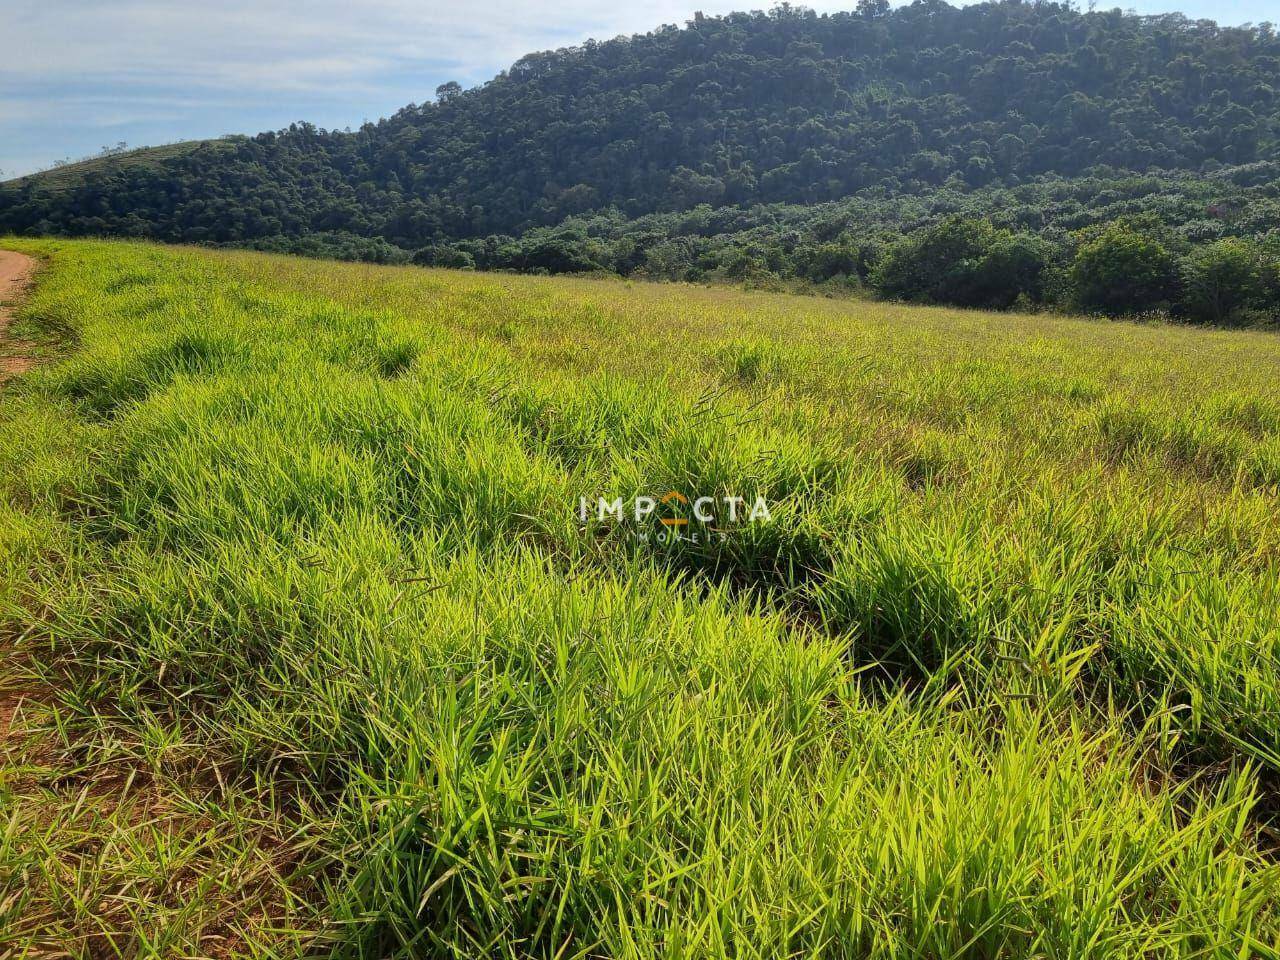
751 113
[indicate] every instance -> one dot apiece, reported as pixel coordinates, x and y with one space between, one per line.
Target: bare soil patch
17 270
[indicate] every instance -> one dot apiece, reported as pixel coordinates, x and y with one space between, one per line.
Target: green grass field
318 655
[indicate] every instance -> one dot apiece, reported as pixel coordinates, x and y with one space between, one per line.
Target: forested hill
892 149
786 106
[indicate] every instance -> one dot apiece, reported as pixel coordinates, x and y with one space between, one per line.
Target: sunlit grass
998 679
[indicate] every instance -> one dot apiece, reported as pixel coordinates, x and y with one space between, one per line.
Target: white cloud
231 44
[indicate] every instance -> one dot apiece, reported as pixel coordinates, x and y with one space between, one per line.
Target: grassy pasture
336 667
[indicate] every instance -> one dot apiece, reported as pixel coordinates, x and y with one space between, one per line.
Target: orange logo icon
670 498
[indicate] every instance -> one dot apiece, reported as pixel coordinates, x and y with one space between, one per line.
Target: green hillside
75 174
780 146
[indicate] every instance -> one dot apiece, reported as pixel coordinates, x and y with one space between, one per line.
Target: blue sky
77 75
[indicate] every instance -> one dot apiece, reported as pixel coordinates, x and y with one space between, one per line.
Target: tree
443 255
1012 270
966 262
1123 272
1221 280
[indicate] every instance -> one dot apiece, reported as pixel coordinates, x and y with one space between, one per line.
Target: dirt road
16 273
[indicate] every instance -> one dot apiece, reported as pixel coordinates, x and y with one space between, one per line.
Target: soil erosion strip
16 273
